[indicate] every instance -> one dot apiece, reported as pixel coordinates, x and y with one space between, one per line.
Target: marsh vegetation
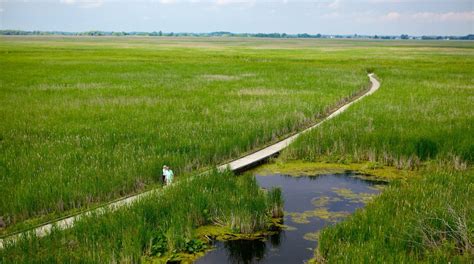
87 120
312 202
160 227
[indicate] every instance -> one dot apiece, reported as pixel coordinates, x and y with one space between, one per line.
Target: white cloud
68 2
335 4
212 2
230 2
444 17
84 3
423 17
166 2
459 16
392 16
392 1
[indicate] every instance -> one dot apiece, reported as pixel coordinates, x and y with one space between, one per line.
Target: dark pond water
311 203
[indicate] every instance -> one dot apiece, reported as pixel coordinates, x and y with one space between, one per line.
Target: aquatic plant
275 200
158 244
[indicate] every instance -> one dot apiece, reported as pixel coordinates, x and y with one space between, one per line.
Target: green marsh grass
422 112
276 199
88 120
157 226
429 220
420 119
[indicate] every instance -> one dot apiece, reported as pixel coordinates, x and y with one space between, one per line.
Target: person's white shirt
169 176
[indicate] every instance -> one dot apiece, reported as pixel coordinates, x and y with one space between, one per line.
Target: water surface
311 203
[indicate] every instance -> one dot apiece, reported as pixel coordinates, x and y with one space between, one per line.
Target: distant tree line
228 34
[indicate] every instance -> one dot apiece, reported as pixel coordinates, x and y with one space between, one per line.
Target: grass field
86 120
90 119
423 112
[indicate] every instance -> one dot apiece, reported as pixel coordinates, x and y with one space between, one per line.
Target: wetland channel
310 204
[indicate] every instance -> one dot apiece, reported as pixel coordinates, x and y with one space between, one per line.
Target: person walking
169 175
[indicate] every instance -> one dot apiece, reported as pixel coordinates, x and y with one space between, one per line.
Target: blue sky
390 17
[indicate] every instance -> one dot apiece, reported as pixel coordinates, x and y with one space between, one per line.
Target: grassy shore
430 219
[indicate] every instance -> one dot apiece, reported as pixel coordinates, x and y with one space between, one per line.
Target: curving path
249 160
236 165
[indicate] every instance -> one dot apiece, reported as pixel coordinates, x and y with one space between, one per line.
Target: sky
369 17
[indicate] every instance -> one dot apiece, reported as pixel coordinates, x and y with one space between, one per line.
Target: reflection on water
311 203
244 251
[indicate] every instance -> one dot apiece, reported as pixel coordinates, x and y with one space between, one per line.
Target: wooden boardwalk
236 165
251 159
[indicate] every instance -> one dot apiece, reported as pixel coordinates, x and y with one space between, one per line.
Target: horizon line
213 33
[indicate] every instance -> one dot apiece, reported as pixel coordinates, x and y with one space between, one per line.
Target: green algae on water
354 197
321 213
323 201
312 236
366 170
